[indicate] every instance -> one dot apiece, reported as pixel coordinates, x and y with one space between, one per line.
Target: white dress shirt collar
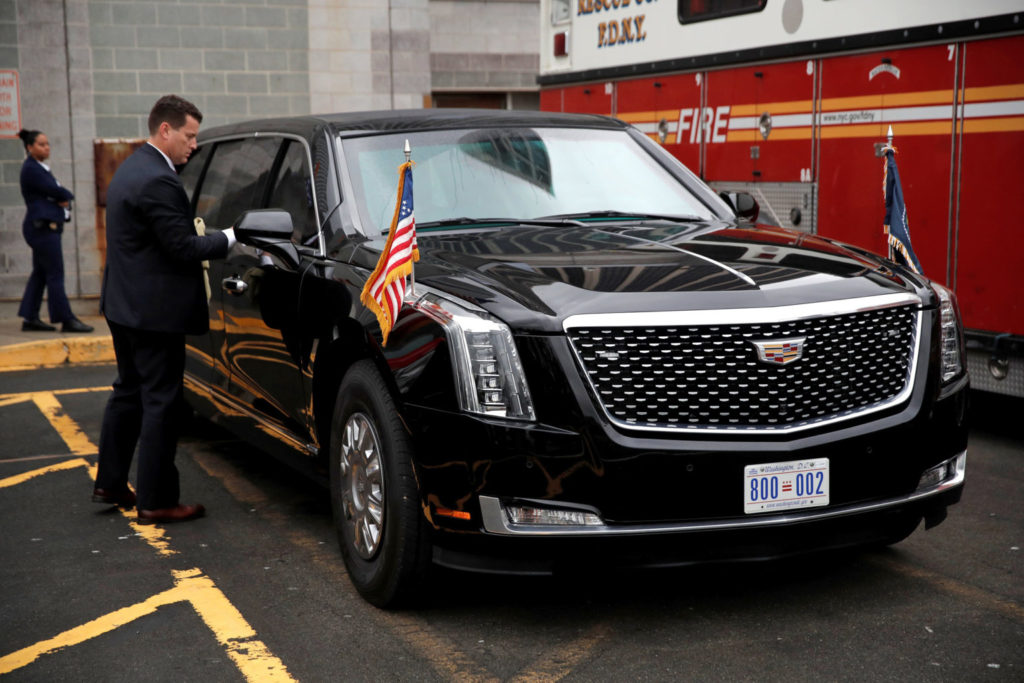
166 158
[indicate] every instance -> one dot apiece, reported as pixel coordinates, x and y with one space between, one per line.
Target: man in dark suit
153 295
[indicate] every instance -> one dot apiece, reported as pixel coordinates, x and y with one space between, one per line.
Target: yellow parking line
556 665
250 655
971 594
67 428
19 397
31 474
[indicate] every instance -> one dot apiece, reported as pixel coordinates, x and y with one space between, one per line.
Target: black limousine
597 356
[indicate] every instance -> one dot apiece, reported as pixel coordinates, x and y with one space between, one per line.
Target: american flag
897 230
385 290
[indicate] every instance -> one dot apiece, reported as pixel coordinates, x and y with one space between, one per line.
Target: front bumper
496 519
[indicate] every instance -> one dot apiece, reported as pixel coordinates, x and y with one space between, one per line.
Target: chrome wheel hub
362 484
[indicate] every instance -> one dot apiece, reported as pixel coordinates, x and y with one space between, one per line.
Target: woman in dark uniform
47 204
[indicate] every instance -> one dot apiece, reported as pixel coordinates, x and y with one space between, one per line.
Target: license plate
780 486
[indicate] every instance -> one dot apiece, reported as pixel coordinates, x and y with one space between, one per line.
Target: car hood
535 277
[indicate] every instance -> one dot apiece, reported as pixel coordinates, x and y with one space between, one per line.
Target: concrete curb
55 352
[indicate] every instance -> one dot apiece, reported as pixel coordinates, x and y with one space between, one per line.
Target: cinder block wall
482 45
93 68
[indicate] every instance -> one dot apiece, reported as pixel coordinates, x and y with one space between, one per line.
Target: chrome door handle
234 285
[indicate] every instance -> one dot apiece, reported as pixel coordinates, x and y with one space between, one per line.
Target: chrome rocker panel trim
496 522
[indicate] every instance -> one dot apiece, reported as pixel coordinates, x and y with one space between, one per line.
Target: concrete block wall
484 45
233 59
93 68
368 54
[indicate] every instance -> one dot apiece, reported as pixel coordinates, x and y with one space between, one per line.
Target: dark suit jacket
154 274
42 192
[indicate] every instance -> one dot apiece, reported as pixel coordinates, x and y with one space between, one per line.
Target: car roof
390 121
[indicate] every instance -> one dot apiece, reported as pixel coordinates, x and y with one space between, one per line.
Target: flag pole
412 264
888 146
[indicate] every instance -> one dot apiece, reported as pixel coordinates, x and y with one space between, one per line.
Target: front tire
374 495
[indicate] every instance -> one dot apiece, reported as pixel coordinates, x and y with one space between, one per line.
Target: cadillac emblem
779 351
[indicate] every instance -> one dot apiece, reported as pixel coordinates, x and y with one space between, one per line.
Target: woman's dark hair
28 137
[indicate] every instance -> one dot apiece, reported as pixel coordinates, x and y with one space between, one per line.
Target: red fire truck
790 100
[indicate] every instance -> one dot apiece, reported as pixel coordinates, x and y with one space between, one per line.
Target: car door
199 349
265 346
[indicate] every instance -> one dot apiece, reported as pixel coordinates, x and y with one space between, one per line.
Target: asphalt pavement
257 590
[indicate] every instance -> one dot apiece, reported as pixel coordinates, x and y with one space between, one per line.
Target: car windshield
514 173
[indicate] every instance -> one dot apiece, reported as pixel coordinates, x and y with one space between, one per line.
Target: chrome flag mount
384 291
897 228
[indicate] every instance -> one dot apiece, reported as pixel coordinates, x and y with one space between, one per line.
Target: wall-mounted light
562 44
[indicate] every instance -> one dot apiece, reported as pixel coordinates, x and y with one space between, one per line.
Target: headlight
488 375
951 339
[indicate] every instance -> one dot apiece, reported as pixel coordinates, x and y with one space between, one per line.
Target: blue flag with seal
897 230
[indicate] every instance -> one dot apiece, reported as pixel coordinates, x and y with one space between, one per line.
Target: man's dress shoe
75 325
36 325
123 499
179 513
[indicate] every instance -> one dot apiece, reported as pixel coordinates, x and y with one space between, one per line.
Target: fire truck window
691 11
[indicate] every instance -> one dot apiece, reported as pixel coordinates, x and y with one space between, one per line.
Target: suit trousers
145 409
47 273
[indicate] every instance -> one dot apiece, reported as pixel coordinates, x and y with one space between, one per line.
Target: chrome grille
708 376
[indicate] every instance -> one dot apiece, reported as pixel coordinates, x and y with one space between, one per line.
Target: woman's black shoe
75 325
37 325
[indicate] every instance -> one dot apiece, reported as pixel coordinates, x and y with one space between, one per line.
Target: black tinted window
293 192
235 180
190 173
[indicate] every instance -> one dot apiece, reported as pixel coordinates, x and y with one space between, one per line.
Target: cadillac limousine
598 358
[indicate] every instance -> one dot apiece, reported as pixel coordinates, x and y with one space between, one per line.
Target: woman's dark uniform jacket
154 275
42 193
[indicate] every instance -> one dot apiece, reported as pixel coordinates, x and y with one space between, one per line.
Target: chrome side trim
730 316
496 522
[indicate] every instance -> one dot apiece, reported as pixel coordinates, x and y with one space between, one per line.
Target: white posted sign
10 104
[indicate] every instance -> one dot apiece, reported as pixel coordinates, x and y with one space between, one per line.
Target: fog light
943 472
524 514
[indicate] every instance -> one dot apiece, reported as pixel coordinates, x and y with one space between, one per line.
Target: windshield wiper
627 215
546 222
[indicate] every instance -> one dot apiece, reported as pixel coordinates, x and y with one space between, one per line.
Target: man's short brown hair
173 110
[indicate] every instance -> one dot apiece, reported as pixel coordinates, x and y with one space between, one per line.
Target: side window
193 168
293 192
691 11
236 180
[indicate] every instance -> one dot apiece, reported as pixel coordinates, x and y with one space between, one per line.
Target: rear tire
375 499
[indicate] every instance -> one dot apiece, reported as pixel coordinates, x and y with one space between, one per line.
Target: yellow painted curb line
55 352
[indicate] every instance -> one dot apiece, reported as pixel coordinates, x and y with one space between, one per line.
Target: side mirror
743 204
269 230
254 227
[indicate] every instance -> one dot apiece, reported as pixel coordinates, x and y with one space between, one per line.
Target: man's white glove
230 233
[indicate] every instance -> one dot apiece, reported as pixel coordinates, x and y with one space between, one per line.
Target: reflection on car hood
535 277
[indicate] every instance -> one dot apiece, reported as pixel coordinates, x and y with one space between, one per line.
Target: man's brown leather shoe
123 499
179 513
